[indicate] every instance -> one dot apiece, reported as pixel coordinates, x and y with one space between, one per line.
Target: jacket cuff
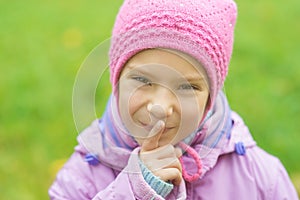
161 187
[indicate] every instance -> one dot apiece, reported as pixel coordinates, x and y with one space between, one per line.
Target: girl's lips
150 127
146 126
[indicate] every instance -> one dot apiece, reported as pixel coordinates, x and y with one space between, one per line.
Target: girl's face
157 84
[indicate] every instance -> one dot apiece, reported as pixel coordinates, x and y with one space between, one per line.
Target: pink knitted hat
201 28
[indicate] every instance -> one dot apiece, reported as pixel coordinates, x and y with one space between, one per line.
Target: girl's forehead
166 61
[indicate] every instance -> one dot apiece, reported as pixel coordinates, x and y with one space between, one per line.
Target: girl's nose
161 102
160 111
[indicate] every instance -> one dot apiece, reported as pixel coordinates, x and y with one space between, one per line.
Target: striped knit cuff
161 187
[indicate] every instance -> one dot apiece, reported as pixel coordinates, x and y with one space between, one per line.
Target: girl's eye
142 80
188 87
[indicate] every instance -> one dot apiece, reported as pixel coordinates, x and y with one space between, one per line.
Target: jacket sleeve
79 180
283 188
271 178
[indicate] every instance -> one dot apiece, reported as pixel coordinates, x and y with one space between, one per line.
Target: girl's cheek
192 112
135 101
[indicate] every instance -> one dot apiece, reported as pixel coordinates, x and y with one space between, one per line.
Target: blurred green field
43 44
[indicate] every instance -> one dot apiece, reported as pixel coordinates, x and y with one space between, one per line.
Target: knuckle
175 172
168 148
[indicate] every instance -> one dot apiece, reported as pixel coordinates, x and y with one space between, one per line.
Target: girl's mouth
149 127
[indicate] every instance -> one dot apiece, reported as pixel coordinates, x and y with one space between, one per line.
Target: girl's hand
162 161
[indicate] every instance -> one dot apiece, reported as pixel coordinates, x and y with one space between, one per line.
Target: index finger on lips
155 134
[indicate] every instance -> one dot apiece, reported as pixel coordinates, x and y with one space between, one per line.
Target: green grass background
43 44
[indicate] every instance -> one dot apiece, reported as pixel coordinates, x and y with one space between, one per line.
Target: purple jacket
227 175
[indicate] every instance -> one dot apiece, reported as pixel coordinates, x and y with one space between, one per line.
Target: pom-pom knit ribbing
162 188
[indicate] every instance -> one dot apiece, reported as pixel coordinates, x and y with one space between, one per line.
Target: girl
168 131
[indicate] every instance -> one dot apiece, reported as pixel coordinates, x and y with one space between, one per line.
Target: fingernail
149 107
160 123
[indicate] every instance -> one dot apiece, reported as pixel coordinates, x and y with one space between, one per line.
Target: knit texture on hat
201 28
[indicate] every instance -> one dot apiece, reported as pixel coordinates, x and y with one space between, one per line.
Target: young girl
168 131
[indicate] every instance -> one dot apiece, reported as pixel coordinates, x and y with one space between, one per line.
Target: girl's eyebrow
193 77
137 69
131 66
